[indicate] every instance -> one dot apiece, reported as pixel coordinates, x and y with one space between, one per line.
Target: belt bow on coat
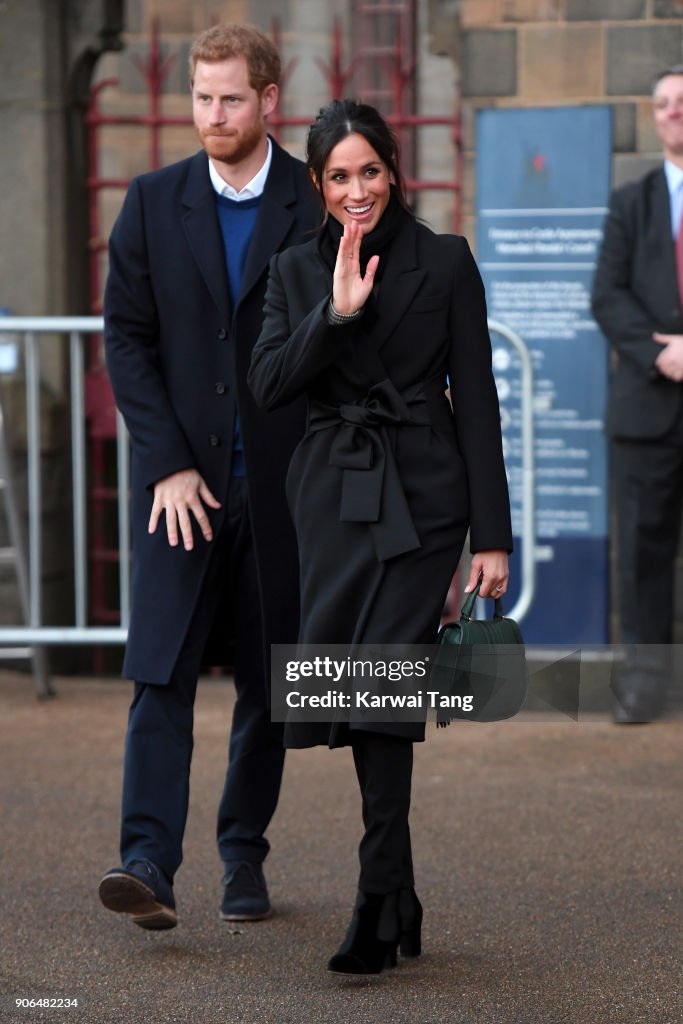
372 491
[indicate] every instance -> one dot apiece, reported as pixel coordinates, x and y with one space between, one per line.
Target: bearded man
214 556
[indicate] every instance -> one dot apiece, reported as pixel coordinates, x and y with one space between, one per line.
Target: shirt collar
674 176
674 180
252 189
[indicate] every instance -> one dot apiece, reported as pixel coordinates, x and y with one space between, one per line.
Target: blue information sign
543 181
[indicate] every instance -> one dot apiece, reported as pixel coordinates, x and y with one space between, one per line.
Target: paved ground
549 860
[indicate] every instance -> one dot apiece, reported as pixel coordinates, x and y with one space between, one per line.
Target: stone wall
548 52
502 52
527 53
305 38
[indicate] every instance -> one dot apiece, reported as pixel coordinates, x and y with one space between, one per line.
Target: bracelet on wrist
334 317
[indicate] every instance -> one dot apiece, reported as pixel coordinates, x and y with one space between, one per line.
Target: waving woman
372 321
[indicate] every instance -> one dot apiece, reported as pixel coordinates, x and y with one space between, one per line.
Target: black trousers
648 486
159 740
384 767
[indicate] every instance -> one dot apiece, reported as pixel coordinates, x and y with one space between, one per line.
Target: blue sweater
237 220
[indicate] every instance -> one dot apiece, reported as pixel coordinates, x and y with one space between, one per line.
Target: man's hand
178 495
669 362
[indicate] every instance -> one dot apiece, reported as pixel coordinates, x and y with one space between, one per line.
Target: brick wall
305 40
550 52
504 53
305 27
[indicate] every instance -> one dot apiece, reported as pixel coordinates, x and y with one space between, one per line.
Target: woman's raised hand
350 291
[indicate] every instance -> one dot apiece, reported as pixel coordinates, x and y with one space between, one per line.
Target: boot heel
411 943
390 960
410 916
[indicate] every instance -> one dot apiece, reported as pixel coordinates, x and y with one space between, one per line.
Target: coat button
222 334
214 440
220 387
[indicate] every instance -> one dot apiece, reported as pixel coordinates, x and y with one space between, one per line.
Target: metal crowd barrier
34 633
528 511
26 333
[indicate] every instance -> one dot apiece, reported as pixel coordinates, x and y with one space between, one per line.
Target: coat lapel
400 283
661 228
316 281
274 221
203 232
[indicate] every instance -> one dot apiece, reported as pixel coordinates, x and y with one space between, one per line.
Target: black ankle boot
410 923
372 938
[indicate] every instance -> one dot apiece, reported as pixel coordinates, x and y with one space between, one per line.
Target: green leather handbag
480 667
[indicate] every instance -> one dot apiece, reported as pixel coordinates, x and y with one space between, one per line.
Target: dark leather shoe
637 708
245 896
140 889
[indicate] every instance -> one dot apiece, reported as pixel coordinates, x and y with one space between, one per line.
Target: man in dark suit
214 548
637 301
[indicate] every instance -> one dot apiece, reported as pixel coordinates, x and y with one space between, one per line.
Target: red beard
232 146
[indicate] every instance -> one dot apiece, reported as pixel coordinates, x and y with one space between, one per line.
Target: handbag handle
468 607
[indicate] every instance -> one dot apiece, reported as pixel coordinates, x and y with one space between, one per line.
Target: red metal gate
382 72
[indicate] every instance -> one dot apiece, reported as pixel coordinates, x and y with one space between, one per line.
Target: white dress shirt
252 189
674 179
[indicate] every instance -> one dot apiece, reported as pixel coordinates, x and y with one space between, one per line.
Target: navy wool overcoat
178 354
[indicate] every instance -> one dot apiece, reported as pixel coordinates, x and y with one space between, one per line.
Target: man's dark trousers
159 739
648 484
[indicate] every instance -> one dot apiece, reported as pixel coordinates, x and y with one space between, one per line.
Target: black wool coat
178 355
635 292
387 479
